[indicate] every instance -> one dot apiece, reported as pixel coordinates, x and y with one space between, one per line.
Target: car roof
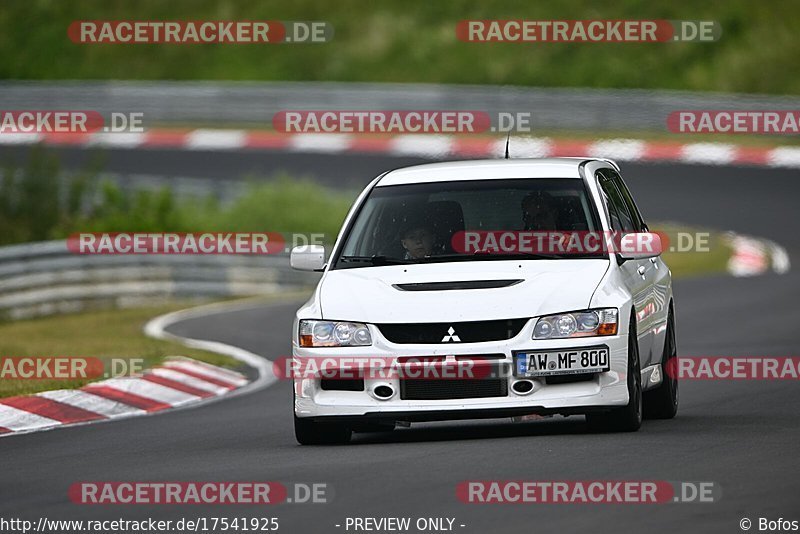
487 169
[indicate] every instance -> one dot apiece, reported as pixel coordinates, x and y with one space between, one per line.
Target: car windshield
438 221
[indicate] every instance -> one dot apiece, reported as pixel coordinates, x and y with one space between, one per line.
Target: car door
662 280
638 275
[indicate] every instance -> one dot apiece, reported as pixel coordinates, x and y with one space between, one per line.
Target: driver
418 241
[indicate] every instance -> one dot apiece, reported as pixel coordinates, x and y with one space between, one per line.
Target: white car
456 284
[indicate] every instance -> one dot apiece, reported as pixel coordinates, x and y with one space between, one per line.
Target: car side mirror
639 245
307 258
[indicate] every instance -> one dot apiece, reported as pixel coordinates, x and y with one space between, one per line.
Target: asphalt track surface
744 436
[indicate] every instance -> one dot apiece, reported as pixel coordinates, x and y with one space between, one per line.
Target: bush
37 204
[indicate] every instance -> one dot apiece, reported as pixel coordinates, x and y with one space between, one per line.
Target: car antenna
507 141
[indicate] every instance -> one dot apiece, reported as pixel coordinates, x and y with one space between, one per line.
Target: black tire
626 418
662 402
309 432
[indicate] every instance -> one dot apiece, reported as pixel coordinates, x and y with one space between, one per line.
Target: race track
741 435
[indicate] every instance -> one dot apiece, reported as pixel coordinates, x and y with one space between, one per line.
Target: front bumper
603 391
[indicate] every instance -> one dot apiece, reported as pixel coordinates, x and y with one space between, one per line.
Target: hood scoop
461 284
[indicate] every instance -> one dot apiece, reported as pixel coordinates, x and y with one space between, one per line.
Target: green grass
688 264
37 205
280 204
414 41
98 334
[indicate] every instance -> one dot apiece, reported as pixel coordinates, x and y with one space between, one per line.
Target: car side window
612 214
636 216
614 198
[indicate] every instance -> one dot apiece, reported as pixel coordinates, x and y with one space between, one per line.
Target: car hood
369 294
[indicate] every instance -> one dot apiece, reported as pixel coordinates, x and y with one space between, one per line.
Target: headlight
599 322
333 334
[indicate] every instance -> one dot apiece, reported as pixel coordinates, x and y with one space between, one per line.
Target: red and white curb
753 256
424 145
178 383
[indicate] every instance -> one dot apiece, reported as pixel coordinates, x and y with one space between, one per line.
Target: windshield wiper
480 255
475 256
374 260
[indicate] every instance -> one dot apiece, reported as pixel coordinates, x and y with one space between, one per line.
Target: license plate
562 362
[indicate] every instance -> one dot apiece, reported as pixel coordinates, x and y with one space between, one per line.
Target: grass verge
711 258
101 334
415 41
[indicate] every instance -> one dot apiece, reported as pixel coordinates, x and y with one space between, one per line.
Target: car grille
422 389
464 332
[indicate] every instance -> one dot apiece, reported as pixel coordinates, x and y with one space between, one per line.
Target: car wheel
309 432
626 418
662 402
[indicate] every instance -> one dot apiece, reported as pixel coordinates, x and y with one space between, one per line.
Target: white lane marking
429 145
785 156
713 153
621 149
150 390
19 420
749 256
523 147
314 142
190 381
157 326
120 140
208 139
15 138
214 369
421 145
780 258
201 370
92 403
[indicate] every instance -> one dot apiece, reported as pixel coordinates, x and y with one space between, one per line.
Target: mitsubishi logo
451 336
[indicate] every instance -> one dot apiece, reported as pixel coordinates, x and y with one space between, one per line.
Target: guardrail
254 103
44 278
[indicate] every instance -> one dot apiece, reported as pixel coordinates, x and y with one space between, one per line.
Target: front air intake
462 284
425 389
457 332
